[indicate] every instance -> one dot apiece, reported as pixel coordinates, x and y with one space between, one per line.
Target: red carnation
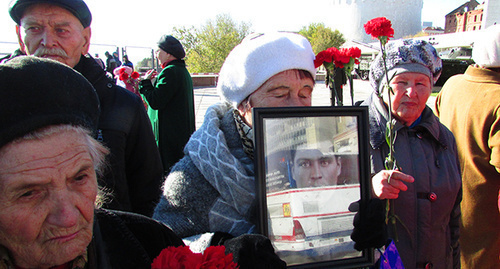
135 75
354 52
323 56
123 76
341 58
379 27
214 257
182 257
173 257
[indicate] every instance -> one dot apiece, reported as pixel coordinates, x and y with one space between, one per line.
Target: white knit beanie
486 51
259 57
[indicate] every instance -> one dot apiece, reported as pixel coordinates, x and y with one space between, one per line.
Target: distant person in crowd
469 104
49 165
339 81
127 78
50 162
212 188
316 165
135 172
99 61
111 64
172 96
127 62
117 59
426 189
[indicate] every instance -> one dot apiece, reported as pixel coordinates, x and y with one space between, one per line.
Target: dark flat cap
37 93
76 7
172 46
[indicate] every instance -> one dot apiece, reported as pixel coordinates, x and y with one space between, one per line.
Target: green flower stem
390 162
331 85
349 76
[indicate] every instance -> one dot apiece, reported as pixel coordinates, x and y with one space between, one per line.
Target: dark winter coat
127 240
430 209
172 96
135 173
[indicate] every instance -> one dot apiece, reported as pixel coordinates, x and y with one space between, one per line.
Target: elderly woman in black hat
426 188
49 197
171 101
49 161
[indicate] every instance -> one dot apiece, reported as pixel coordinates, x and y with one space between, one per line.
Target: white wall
349 16
491 13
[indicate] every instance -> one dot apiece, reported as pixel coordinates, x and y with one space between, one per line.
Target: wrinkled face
51 31
47 193
411 91
313 168
285 89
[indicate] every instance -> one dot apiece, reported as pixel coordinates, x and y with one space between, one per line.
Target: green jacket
172 96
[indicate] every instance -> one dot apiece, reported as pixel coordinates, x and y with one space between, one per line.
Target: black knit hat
172 46
37 92
76 7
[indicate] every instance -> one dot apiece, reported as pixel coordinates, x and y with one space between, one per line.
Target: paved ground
207 96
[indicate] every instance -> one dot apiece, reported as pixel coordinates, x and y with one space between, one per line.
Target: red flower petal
182 257
214 257
379 27
135 75
171 257
327 55
123 76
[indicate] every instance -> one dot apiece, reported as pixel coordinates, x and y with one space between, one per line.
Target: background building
491 13
467 17
405 15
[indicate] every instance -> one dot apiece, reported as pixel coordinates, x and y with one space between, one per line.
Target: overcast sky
141 23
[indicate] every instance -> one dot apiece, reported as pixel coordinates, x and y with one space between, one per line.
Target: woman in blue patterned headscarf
426 187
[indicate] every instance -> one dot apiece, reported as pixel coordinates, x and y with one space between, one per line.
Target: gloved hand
249 250
370 229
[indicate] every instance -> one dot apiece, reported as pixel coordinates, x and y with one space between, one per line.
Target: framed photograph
311 164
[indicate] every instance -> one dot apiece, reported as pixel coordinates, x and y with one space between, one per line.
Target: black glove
249 250
370 229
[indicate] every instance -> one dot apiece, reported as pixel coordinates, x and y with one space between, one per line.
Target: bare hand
151 74
388 183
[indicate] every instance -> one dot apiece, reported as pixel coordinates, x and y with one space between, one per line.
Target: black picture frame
311 164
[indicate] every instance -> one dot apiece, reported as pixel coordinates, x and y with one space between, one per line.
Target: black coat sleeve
143 164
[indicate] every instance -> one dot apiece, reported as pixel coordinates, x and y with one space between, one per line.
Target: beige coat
469 105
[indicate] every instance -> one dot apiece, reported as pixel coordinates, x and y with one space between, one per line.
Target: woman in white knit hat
212 188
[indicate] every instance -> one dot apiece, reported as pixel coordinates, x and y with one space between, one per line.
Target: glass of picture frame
312 165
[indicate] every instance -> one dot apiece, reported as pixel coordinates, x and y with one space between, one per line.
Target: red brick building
467 17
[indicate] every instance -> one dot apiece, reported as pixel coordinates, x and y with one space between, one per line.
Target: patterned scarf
246 133
228 170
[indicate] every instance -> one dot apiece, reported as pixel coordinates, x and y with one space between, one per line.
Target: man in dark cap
60 30
172 99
